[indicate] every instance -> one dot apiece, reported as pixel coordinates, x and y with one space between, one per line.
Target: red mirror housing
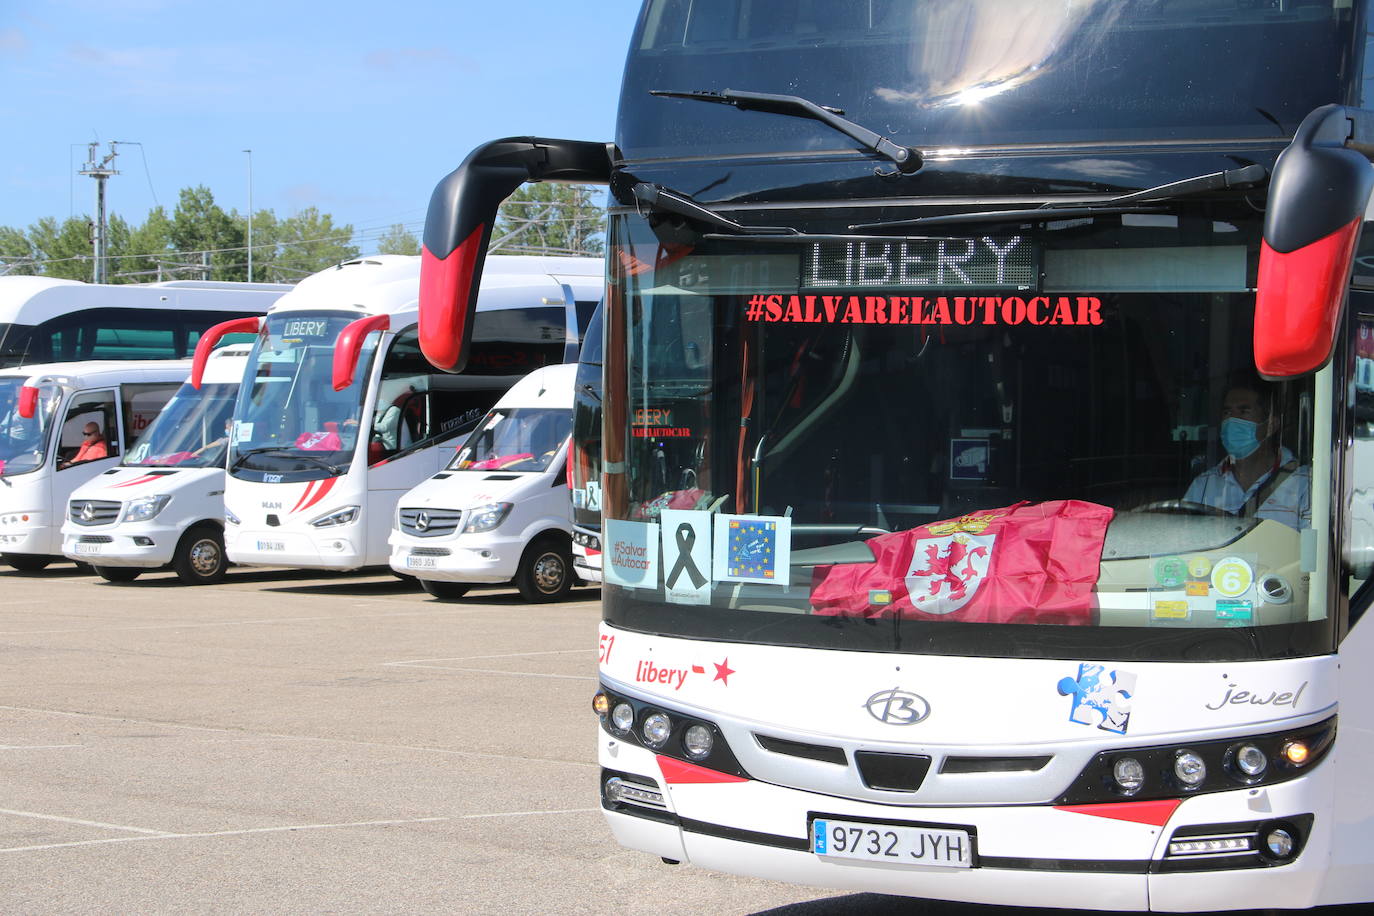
350 345
214 335
28 401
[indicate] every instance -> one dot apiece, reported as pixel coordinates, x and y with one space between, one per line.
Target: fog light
623 717
1129 775
143 542
1279 842
656 729
1189 769
697 742
1296 752
1251 761
601 704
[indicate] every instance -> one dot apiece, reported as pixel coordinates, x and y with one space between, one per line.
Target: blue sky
355 108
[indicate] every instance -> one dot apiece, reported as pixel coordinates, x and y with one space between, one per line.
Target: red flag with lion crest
1026 563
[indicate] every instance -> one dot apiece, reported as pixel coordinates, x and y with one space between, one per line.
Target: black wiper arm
908 159
657 197
292 453
1244 177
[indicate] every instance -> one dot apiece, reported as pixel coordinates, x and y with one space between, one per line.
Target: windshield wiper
664 200
291 453
908 159
1232 179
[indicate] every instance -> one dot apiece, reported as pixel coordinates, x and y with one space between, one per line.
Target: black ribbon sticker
686 538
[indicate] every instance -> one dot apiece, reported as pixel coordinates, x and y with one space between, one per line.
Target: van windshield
192 431
515 439
23 440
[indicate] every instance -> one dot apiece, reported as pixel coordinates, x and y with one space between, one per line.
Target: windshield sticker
1171 609
985 263
631 554
942 311
752 548
243 430
968 459
686 556
1170 572
1235 612
1100 697
1232 577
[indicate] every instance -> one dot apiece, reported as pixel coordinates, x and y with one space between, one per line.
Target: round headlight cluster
655 729
1249 761
1189 769
1129 775
697 741
623 717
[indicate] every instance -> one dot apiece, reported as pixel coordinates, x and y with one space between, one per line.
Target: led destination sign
984 263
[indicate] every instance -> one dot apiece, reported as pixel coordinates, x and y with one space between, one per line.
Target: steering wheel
1182 507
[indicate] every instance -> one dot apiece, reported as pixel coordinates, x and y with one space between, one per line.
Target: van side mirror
1318 194
462 212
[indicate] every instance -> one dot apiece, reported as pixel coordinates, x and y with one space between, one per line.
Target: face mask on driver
1239 437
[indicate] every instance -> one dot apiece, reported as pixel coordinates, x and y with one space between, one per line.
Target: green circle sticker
1170 572
1232 577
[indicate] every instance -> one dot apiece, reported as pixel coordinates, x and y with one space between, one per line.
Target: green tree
202 231
149 253
17 255
64 249
551 218
397 240
306 243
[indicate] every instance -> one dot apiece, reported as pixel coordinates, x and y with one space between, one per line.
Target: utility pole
101 172
250 214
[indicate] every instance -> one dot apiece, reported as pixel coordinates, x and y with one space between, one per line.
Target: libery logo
897 707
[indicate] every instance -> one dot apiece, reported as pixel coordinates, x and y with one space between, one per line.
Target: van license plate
421 563
271 545
88 548
892 843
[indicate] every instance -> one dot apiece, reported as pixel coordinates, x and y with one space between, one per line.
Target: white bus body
500 511
163 506
339 414
47 320
43 410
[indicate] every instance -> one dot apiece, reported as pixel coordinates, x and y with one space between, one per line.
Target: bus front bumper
334 548
1023 855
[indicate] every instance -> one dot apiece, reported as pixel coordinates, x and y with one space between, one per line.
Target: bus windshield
1020 444
983 72
514 439
289 418
24 440
192 431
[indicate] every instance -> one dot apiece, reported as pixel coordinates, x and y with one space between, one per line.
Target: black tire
26 562
546 570
118 573
444 591
199 557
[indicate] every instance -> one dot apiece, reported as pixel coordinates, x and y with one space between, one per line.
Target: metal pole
250 214
100 171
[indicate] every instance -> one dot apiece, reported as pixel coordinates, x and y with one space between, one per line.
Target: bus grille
430 523
93 511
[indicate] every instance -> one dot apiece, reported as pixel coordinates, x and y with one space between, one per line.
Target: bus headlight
1189 769
1129 775
656 729
145 507
485 518
343 516
697 742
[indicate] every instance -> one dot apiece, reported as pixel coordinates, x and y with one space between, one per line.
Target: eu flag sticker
752 548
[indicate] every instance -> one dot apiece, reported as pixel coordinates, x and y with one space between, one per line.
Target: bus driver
1258 476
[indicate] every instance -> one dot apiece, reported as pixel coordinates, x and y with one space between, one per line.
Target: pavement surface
291 742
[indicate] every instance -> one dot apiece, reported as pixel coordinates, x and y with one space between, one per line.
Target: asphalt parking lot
294 743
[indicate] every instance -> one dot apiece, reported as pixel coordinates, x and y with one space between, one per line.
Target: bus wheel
444 591
199 559
545 572
26 562
118 573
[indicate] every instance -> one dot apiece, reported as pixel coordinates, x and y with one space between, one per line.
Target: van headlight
145 507
344 516
230 517
485 518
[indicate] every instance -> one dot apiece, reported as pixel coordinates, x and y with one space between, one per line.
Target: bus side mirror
1317 198
462 211
214 335
349 346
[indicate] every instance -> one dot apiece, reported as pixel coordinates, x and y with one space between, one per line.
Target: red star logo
723 672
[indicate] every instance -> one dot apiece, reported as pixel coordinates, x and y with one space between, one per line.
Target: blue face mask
1239 437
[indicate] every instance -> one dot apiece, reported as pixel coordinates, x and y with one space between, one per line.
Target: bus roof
32 300
94 374
390 284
